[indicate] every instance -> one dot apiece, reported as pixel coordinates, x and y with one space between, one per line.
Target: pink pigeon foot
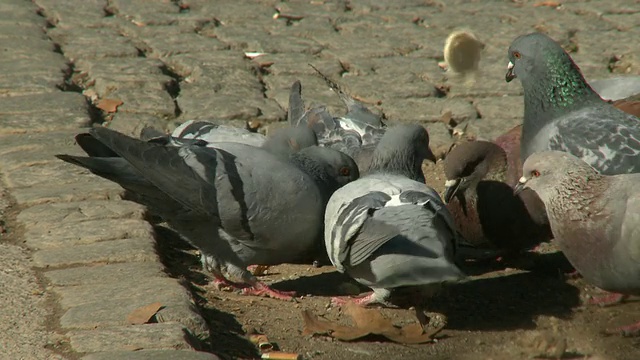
628 330
608 300
261 289
363 300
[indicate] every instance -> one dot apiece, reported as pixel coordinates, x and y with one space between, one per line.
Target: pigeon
562 112
388 230
482 203
616 88
594 217
236 203
356 133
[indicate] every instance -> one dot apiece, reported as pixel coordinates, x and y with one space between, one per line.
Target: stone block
68 103
52 213
79 191
132 123
151 355
137 337
136 249
103 274
72 233
137 288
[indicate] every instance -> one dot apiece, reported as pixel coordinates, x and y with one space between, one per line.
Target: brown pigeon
481 199
595 219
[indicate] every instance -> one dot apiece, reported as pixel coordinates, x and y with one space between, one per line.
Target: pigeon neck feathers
314 168
555 87
401 151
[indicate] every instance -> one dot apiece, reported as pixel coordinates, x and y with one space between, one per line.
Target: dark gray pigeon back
562 112
222 199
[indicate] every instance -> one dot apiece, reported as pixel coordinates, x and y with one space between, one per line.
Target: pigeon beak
520 186
450 189
510 74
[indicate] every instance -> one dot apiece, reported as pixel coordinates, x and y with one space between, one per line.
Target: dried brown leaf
367 322
143 314
109 105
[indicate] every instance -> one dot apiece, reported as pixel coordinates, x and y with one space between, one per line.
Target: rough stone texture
169 64
151 355
103 274
148 336
136 249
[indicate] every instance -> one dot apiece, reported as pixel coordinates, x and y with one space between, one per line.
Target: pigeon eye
344 171
535 173
516 55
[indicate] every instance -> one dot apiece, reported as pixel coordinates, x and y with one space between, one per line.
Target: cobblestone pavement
77 258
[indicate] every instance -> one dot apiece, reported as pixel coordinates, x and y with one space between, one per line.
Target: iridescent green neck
555 88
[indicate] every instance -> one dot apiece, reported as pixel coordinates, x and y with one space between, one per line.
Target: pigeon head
331 169
289 140
549 77
547 171
401 150
470 162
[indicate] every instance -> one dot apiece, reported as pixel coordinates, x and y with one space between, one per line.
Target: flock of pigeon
245 199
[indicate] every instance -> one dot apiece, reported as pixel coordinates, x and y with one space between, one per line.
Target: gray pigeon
281 143
562 112
388 230
238 204
356 133
595 219
486 212
616 88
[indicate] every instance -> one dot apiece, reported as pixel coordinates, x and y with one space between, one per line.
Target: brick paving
168 61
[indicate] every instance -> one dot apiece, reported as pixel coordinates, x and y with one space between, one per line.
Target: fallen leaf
554 4
109 105
142 315
367 322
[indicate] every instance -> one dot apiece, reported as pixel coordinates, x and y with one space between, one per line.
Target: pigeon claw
367 299
628 330
261 289
608 300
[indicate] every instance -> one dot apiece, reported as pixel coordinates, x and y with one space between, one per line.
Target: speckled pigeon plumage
595 219
223 199
388 230
482 203
562 112
356 133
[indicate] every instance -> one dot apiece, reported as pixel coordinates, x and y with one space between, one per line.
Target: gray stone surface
151 355
168 64
104 273
135 249
147 336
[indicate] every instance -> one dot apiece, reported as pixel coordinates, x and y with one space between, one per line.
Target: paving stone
27 45
227 107
161 289
9 29
62 13
136 249
48 193
44 172
72 233
428 110
114 313
132 123
163 45
80 42
68 103
104 274
147 336
43 121
151 355
46 214
504 107
190 66
145 99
